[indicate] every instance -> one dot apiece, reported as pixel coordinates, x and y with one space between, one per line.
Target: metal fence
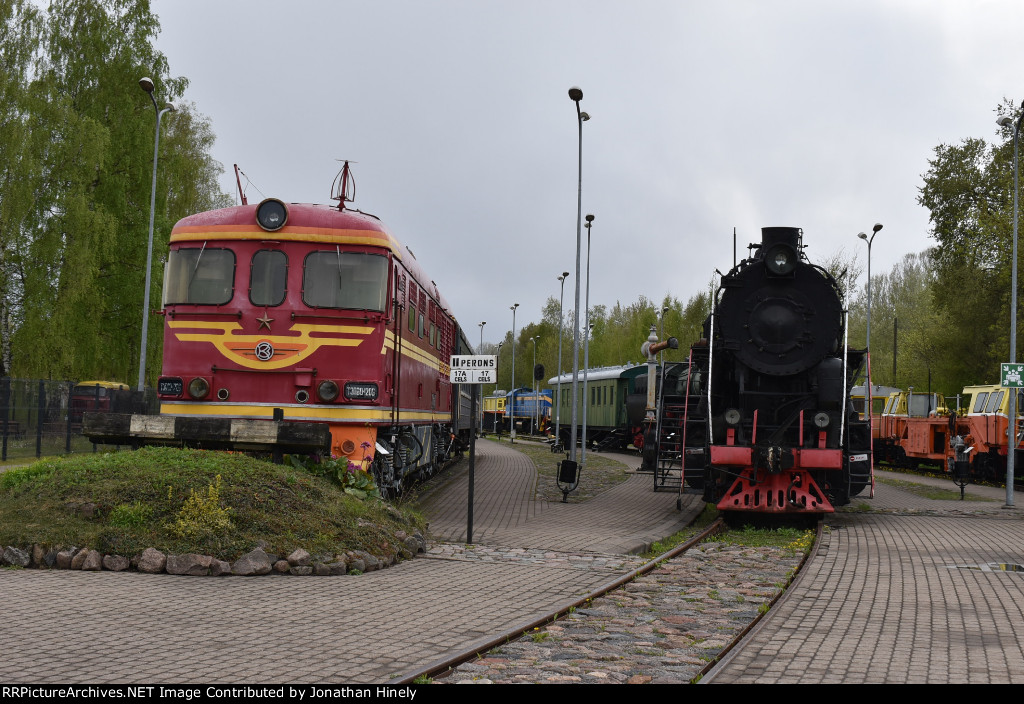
44 417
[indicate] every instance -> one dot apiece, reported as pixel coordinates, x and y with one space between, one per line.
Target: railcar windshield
268 278
200 276
336 279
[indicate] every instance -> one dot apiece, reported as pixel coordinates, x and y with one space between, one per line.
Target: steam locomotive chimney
780 235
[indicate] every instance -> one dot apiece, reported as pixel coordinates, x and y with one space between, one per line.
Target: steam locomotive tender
771 382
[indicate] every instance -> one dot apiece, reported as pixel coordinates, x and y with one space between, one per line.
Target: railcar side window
995 399
979 405
268 278
200 276
335 279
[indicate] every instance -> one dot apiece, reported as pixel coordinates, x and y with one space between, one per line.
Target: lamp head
584 116
565 274
146 84
862 236
590 218
575 94
1002 121
877 227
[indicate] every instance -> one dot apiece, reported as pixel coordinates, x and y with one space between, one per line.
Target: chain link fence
43 417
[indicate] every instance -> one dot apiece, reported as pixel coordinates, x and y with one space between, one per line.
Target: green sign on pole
1011 375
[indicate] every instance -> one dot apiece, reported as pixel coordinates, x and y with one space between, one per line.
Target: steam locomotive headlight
327 390
821 420
198 387
271 214
780 259
732 416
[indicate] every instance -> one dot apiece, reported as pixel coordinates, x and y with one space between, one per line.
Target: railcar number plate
170 387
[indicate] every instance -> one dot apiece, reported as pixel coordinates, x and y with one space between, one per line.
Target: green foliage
76 142
350 476
171 499
968 191
202 514
133 515
615 339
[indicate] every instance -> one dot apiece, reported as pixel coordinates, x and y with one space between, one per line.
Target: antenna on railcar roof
345 191
238 182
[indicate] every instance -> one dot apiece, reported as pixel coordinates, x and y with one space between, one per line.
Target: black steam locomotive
765 423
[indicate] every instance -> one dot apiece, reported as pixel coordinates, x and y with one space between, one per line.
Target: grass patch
600 473
929 492
706 518
189 501
787 538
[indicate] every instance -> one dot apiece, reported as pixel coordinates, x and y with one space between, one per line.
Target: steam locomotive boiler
769 424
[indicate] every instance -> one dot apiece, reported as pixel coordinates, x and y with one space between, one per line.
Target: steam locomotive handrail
846 356
711 357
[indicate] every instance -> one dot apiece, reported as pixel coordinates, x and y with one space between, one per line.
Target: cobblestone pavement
910 592
97 627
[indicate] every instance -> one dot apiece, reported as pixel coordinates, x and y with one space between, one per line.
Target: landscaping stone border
256 562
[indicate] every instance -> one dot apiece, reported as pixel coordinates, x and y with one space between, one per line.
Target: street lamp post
536 391
586 348
868 397
1012 427
512 401
557 447
147 85
576 95
481 336
661 334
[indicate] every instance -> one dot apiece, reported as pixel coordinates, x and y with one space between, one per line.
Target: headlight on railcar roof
271 214
361 391
327 390
198 387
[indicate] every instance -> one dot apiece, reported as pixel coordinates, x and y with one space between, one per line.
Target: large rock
64 558
252 563
152 561
189 564
299 558
370 563
79 559
16 557
220 568
93 561
115 563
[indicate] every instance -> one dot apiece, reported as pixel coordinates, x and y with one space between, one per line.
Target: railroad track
669 620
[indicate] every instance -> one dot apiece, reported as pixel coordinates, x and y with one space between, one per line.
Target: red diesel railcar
306 313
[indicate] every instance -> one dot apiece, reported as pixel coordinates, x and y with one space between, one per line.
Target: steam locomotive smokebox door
781 319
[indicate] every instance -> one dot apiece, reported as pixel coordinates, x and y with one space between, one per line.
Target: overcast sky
704 117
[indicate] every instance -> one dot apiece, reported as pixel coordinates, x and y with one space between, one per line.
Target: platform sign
1011 375
473 369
